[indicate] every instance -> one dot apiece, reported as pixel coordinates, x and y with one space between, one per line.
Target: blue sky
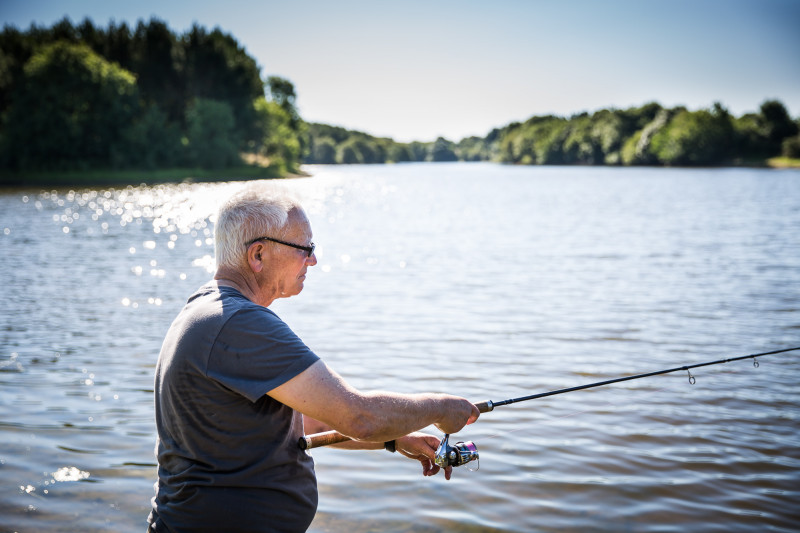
416 70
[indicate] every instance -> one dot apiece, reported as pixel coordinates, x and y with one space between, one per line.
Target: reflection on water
486 281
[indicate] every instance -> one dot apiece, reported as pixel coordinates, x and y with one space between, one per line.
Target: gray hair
255 211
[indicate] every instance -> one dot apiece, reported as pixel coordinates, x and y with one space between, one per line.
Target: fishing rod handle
326 438
485 407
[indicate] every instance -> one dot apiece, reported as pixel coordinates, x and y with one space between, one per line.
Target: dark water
486 281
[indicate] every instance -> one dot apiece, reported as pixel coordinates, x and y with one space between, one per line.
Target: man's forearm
370 416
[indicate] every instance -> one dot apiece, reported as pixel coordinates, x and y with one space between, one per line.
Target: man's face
287 266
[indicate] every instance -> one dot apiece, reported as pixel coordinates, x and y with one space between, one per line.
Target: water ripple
488 281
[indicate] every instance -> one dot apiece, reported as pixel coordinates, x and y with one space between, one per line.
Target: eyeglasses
307 249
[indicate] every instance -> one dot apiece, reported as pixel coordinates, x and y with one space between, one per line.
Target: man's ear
254 257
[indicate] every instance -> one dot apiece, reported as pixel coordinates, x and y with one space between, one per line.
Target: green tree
150 142
443 150
359 149
211 134
218 68
644 115
156 59
336 133
87 33
541 141
399 153
761 135
580 146
473 149
16 48
610 129
70 110
281 91
419 150
348 154
695 138
509 142
117 45
323 151
791 147
751 144
637 150
279 141
63 30
775 125
174 77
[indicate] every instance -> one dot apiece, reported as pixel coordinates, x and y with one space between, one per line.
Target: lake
481 280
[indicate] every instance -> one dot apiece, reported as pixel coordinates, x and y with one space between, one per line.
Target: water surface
481 280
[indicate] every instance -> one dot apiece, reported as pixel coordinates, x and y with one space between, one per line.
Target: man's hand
422 447
460 413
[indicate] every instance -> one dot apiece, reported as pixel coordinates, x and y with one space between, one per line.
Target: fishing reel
459 454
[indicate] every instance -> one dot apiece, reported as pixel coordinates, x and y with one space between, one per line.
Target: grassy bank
783 162
115 178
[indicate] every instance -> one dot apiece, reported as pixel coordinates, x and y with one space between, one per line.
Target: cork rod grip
326 438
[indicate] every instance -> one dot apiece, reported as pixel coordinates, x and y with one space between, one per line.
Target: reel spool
459 454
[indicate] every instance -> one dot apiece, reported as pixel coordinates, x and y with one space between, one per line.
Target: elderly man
235 388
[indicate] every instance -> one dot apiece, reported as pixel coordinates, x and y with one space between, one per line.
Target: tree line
646 135
336 145
82 97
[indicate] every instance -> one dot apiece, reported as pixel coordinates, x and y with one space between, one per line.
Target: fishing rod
465 452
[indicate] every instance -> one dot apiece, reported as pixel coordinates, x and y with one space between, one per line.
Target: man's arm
322 394
419 446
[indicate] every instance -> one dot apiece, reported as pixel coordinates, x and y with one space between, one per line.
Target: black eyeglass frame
307 249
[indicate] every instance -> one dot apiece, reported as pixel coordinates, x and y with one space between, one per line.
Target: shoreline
124 178
120 178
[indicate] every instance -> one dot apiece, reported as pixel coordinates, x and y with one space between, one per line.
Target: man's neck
244 284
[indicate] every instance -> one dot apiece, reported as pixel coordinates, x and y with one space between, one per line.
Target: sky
420 69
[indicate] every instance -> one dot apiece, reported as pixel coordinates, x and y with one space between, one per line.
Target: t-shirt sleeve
255 352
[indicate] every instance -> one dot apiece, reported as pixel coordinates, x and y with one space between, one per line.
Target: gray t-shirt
228 458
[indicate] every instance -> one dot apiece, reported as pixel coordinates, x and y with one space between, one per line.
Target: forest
82 98
130 101
646 135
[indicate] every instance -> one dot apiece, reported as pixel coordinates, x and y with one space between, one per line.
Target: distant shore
117 178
